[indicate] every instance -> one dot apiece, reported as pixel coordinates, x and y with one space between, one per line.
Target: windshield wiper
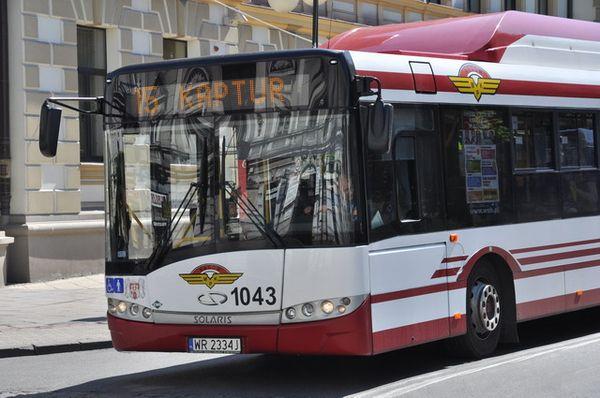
163 246
255 216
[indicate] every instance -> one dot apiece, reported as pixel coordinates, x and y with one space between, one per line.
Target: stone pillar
4 242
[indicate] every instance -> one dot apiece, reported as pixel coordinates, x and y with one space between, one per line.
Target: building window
474 5
174 49
542 7
510 5
91 68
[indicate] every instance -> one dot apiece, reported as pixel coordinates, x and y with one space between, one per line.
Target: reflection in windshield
293 168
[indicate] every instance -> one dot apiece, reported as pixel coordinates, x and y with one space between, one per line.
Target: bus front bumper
346 335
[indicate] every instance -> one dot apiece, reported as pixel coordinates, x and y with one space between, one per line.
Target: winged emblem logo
473 79
210 275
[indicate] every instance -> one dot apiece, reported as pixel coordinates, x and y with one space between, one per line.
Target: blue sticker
114 285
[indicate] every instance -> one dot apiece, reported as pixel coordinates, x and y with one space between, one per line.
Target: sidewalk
56 316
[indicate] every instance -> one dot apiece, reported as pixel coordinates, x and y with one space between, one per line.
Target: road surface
558 356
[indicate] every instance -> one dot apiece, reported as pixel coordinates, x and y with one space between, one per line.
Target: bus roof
509 37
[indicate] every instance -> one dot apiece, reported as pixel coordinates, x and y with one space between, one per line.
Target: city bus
399 185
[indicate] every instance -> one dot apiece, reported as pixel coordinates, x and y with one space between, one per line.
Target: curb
53 349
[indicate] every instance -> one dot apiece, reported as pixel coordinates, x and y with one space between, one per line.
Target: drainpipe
4 113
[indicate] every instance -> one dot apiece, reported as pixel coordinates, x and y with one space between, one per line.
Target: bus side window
406 179
405 190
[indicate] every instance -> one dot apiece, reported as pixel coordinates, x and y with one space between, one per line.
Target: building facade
54 208
587 10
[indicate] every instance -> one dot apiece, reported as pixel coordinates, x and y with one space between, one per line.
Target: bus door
407 251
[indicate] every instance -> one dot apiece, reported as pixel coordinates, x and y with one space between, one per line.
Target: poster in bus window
481 171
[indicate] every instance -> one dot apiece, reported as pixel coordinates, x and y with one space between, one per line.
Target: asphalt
557 357
51 317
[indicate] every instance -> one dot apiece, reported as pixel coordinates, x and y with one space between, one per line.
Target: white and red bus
400 185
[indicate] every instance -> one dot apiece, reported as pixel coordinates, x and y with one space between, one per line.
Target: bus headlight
146 312
112 308
329 308
122 307
308 309
134 309
129 311
290 313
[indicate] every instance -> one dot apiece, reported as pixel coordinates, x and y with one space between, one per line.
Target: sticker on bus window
135 288
115 285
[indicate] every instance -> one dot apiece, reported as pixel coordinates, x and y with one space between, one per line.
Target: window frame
168 39
86 134
470 8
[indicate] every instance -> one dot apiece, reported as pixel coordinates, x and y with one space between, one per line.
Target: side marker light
458 316
453 238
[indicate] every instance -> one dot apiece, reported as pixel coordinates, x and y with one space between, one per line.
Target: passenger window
478 169
406 179
533 140
577 140
580 192
405 189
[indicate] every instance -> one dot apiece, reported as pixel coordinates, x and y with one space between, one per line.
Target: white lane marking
414 384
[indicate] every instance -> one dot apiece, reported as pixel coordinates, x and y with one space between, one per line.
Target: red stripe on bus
558 256
517 272
558 304
555 246
437 329
454 259
558 268
418 333
445 272
417 291
404 81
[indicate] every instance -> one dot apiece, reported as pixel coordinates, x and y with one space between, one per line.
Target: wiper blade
255 216
265 228
164 244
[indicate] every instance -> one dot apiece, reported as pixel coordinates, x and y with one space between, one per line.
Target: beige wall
53 237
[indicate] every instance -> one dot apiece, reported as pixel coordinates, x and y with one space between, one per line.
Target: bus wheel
484 314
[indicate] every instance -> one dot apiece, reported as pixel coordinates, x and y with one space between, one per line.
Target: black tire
479 341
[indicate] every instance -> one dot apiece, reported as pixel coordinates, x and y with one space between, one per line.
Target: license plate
215 344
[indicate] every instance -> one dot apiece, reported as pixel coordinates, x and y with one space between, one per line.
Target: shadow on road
293 376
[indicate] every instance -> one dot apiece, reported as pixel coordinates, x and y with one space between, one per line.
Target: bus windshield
283 165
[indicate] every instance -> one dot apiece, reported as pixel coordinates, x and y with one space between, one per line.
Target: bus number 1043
243 296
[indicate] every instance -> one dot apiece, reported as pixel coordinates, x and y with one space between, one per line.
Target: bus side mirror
49 129
379 126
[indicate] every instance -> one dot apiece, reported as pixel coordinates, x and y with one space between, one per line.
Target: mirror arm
59 101
98 100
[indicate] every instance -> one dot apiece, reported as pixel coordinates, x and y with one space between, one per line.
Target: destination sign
217 96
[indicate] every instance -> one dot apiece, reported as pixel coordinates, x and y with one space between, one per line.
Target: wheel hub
485 308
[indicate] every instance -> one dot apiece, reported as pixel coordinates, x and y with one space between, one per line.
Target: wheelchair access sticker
114 285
